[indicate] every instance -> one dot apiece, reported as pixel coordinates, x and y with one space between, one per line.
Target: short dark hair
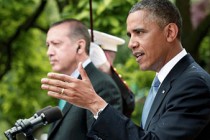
164 11
77 30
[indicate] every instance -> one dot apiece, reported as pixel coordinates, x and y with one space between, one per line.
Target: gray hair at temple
161 11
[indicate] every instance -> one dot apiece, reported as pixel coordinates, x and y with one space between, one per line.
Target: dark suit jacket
128 97
76 121
180 111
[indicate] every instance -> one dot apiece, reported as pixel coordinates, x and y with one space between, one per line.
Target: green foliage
9 17
204 52
20 92
22 83
103 11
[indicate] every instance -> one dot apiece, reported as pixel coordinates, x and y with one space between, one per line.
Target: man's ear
81 46
171 31
78 48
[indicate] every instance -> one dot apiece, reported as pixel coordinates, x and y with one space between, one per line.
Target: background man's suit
76 121
183 99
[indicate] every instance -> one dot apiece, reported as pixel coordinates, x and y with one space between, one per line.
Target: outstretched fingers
76 91
61 77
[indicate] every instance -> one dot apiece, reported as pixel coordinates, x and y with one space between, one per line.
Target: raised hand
75 91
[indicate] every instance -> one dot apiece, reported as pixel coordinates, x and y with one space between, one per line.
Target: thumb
82 72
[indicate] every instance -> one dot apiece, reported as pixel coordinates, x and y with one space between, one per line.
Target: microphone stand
28 131
26 126
29 135
11 133
10 136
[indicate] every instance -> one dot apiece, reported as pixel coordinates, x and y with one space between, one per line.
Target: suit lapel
161 94
65 110
167 84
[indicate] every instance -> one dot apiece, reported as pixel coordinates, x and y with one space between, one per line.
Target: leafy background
23 60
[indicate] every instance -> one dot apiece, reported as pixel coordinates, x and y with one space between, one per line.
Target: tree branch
195 38
23 27
184 8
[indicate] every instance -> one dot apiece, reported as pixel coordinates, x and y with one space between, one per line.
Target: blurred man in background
102 54
68 43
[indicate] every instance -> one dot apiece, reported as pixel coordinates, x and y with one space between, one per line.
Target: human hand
75 91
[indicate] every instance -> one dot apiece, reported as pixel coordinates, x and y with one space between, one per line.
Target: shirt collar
75 74
168 66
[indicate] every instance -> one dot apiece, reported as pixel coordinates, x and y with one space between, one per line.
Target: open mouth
138 54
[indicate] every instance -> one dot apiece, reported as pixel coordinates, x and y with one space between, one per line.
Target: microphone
38 113
43 117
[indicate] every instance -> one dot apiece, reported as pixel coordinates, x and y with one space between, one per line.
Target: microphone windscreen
43 110
53 114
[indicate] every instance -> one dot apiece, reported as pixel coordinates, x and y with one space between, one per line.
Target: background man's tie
61 104
149 100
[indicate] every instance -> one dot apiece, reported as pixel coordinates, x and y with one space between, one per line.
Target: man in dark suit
180 108
68 44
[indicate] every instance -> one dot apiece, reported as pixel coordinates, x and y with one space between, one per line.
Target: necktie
61 104
149 100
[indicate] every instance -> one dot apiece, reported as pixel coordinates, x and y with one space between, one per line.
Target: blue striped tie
149 100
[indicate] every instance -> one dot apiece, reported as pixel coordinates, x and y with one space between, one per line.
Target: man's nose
50 50
132 43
